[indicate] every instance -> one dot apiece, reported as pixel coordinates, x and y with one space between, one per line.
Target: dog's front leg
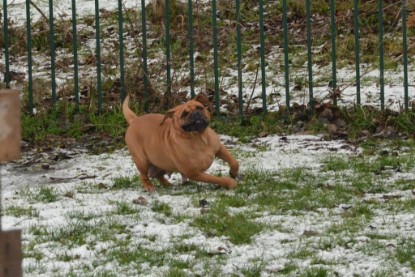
225 155
226 182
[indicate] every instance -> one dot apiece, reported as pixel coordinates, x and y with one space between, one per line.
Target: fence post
191 51
262 54
52 52
405 56
215 56
6 44
121 42
75 53
286 64
239 56
98 56
309 54
168 58
145 68
29 57
381 53
357 49
333 50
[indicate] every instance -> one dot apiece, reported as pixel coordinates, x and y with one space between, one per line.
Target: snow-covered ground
82 171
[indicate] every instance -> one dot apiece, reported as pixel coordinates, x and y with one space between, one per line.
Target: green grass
43 194
124 208
139 255
161 208
121 183
219 221
405 252
68 121
18 211
316 272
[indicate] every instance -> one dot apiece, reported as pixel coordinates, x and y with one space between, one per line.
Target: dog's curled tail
128 114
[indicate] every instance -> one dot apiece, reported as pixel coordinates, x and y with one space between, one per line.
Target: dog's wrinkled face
194 117
191 116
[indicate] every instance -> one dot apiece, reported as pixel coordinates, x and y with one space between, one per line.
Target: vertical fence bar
121 43
309 54
145 68
239 56
52 52
168 58
98 56
262 54
29 57
191 49
286 61
381 53
215 56
357 49
333 49
6 44
75 53
405 56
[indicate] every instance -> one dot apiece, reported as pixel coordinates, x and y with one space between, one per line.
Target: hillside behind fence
247 56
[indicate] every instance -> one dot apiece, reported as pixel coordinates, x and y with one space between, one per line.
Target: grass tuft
218 221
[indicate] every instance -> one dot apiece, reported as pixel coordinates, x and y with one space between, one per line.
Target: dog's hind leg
163 180
147 184
143 168
225 155
154 171
141 162
145 179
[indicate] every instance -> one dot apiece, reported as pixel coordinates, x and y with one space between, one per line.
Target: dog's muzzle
196 122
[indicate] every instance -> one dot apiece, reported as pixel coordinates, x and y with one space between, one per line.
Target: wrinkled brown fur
179 141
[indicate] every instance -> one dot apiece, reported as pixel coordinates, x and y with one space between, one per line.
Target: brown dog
179 141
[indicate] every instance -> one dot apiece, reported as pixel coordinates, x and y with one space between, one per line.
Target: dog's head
192 116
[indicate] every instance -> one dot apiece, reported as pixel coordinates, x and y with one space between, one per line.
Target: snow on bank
63 8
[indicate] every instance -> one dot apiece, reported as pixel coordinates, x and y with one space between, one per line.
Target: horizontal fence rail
244 56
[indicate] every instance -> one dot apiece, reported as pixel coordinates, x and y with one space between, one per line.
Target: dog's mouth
195 122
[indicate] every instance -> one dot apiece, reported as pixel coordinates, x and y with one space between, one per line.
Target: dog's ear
202 98
169 114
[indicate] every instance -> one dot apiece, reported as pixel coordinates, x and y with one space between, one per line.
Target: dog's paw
232 184
150 189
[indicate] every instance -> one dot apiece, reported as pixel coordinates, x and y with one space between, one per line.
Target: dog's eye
199 108
185 113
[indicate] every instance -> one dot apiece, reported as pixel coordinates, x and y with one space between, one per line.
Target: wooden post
10 130
10 137
10 254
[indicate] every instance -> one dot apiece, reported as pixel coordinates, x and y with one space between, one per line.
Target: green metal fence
245 24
